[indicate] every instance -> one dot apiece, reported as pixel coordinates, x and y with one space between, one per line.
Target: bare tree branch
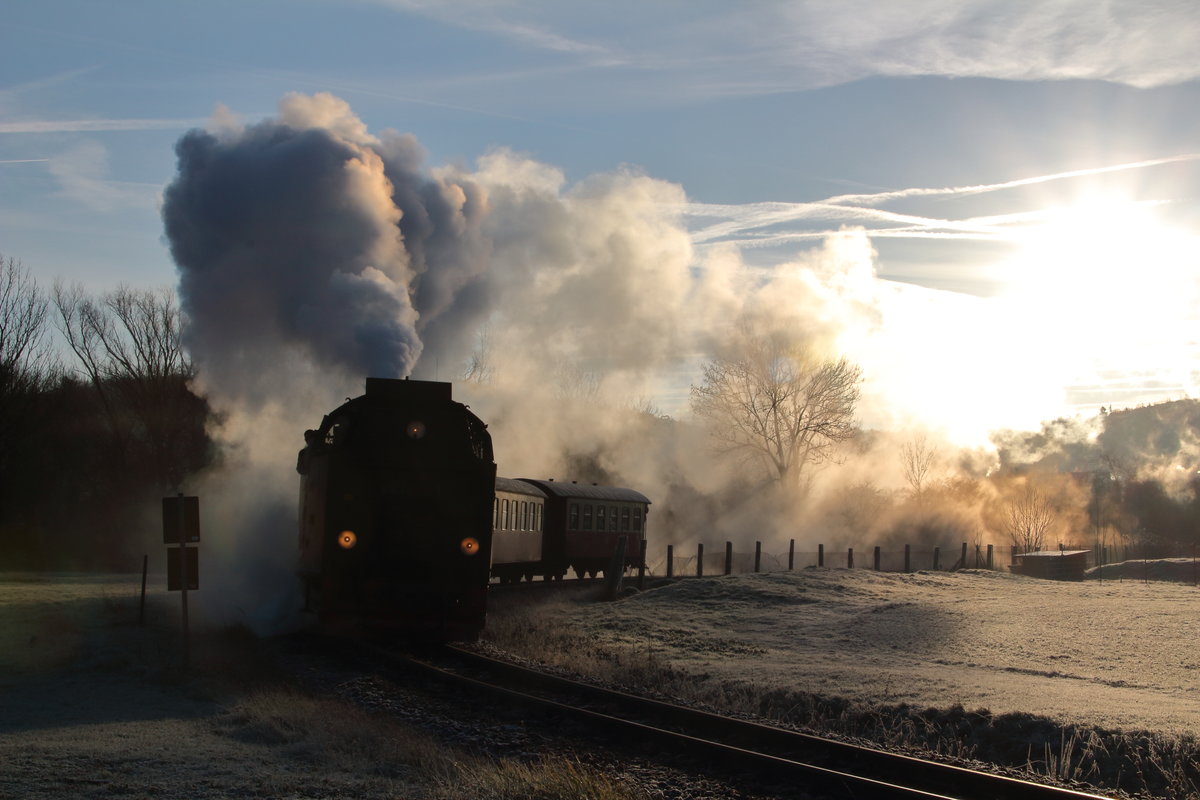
1027 518
778 403
129 344
918 458
27 364
25 358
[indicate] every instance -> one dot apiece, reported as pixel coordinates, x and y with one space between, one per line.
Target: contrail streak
741 220
883 197
81 125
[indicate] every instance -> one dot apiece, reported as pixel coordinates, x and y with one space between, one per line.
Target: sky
993 207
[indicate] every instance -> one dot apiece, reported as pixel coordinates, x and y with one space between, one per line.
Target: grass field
94 706
1084 681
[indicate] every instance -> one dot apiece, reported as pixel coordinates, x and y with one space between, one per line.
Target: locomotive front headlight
415 429
469 546
347 539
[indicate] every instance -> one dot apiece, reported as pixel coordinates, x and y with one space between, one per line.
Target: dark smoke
306 237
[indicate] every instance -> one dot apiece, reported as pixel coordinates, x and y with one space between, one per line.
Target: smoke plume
313 253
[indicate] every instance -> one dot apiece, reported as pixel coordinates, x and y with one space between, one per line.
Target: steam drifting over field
313 253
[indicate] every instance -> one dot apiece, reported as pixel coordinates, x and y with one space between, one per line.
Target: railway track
817 765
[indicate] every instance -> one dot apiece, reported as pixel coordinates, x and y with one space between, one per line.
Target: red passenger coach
584 523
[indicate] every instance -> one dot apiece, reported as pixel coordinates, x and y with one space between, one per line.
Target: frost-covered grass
1076 681
92 705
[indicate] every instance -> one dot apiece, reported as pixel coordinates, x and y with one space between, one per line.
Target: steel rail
816 753
823 780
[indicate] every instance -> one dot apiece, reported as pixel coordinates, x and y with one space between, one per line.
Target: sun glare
1106 252
1105 268
1100 303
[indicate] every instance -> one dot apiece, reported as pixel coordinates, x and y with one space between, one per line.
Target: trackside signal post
181 525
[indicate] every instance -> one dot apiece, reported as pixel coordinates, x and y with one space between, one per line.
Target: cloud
717 49
82 173
97 125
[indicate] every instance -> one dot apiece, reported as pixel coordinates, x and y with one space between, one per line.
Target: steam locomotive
403 521
396 511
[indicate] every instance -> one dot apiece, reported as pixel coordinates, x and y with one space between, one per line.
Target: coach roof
589 491
515 486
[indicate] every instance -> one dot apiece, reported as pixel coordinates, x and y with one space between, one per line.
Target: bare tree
918 457
25 358
480 366
1027 518
26 362
129 344
778 403
573 382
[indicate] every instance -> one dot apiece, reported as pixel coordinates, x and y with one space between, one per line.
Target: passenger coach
583 523
518 517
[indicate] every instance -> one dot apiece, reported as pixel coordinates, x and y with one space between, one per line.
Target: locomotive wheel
578 573
591 573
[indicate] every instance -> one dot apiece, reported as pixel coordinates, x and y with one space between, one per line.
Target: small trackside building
1058 565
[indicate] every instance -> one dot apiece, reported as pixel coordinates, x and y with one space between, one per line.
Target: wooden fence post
641 583
670 561
142 606
964 555
850 558
757 555
700 560
877 558
820 555
616 570
728 558
907 558
937 558
989 557
791 554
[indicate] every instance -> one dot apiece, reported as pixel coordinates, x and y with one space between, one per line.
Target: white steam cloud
313 253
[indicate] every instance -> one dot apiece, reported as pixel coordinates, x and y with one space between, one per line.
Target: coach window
524 515
637 519
496 513
625 518
587 517
506 514
573 524
537 517
612 518
601 520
